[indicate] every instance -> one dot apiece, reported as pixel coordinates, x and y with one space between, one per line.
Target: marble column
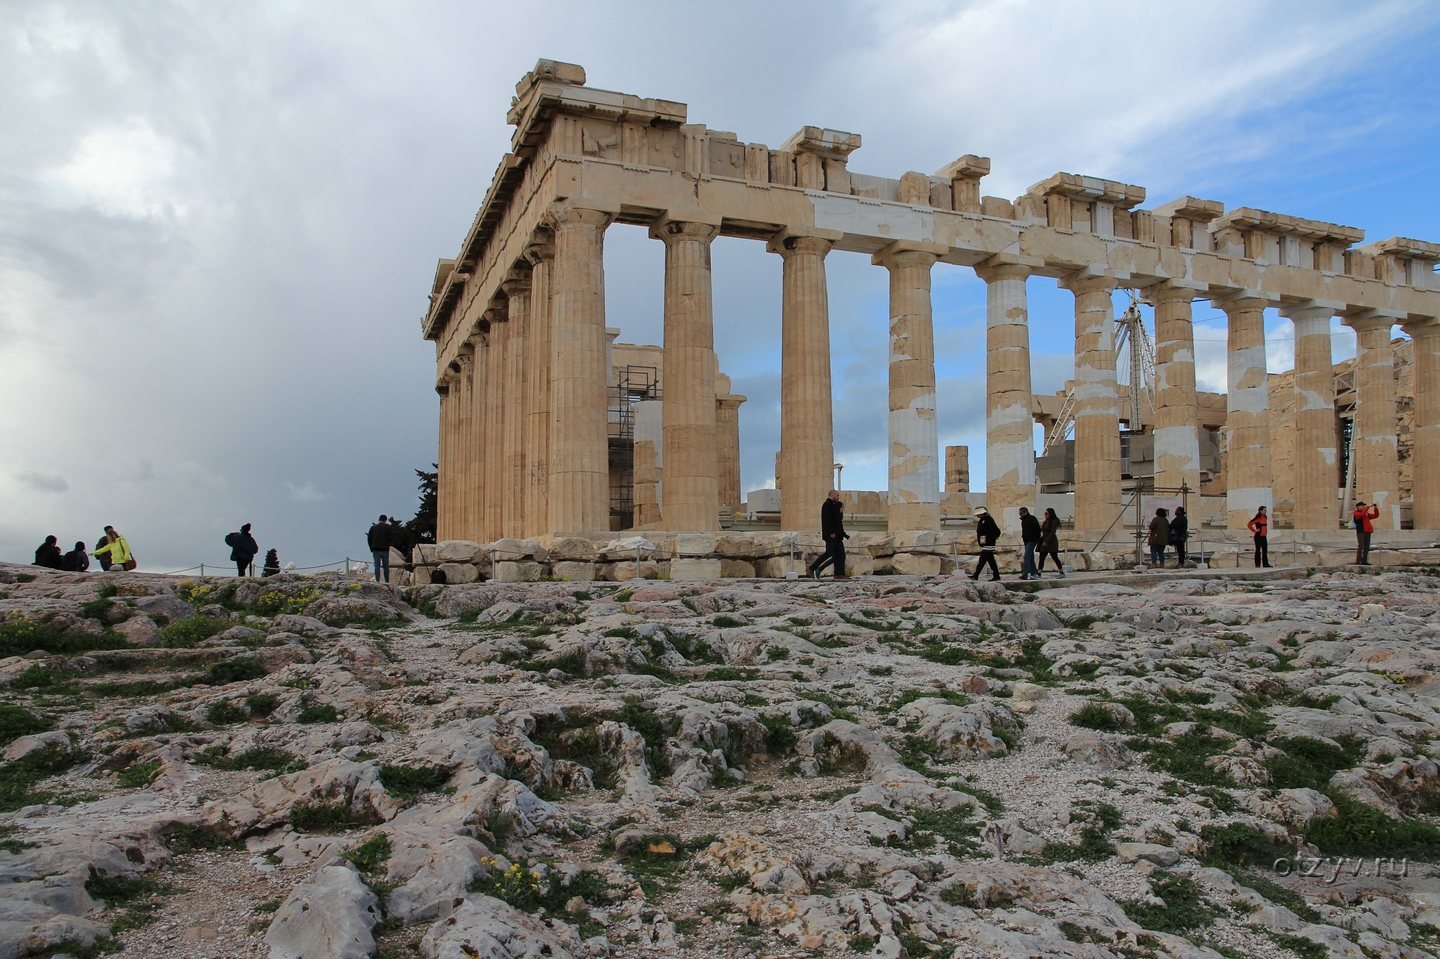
1376 427
517 292
493 484
649 462
445 479
465 444
807 439
1009 430
1425 430
1097 403
1177 416
539 357
1317 442
579 464
727 433
914 442
690 491
1247 412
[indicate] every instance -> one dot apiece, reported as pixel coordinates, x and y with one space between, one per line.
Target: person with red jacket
1363 519
1260 525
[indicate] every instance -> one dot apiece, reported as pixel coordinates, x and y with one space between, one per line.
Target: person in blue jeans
1159 537
1030 537
379 540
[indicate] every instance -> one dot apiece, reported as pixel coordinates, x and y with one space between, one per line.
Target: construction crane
1129 334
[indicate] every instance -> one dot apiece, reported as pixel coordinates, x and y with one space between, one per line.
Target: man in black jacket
379 540
1030 537
243 549
832 528
48 553
77 560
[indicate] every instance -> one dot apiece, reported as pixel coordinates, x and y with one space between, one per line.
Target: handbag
130 563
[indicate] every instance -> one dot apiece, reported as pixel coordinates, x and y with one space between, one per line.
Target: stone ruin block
775 567
573 572
695 569
691 544
623 572
456 551
737 569
518 572
459 573
915 564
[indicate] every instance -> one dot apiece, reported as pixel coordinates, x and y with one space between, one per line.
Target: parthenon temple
534 390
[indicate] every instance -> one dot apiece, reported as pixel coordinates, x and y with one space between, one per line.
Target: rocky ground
321 767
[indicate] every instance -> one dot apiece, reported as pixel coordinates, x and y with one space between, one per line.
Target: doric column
1317 460
538 360
1097 403
1177 417
807 439
690 491
1425 430
495 399
445 478
579 463
1377 467
517 291
1247 412
914 442
727 442
649 461
1009 433
466 445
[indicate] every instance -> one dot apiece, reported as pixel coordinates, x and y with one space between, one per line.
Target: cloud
306 493
45 482
122 170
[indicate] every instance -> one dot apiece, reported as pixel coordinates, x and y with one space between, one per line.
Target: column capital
908 253
1418 327
517 281
1310 309
788 242
1008 266
542 247
1174 291
563 214
1241 301
676 225
1088 281
1372 319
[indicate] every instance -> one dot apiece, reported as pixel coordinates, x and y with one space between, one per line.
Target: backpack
1357 522
232 540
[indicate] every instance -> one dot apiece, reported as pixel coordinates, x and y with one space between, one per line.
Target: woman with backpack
118 549
243 549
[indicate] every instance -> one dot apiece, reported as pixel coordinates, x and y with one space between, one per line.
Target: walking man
1260 525
1363 518
1030 538
987 531
379 540
832 529
243 549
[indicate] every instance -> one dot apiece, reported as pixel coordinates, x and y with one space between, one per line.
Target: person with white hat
988 532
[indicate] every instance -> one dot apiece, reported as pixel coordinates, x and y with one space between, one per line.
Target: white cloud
305 493
125 170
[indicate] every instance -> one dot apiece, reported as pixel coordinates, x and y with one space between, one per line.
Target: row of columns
524 423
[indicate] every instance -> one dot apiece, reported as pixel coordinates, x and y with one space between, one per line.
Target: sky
219 222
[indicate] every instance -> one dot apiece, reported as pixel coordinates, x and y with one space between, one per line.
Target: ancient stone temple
527 372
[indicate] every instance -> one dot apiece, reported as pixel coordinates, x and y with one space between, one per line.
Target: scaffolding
633 384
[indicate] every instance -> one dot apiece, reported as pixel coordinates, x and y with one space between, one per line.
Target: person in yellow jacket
118 550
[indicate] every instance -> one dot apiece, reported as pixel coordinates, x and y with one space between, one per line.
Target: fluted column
1377 465
689 489
1177 416
579 464
1317 443
493 485
539 358
445 478
1097 403
1425 431
807 439
727 433
466 440
1249 483
914 441
1009 430
517 291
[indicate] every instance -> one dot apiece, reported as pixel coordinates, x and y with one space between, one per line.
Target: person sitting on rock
76 561
48 553
118 549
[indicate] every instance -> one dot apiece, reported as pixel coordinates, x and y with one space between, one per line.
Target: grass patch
726 622
409 782
189 633
1185 908
225 713
954 826
184 838
324 817
21 636
261 704
241 669
649 726
139 775
1236 844
1095 716
313 712
1278 894
16 722
18 778
1309 763
722 674
1359 830
270 758
370 854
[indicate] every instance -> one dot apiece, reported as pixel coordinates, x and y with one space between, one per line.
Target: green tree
421 527
272 563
